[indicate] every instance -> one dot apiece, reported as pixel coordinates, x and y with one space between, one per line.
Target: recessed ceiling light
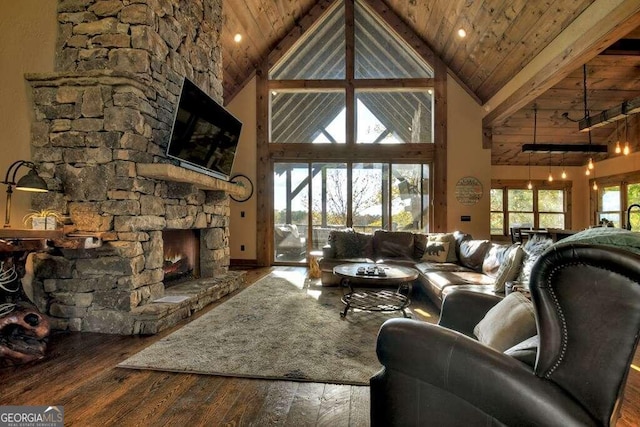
462 33
237 38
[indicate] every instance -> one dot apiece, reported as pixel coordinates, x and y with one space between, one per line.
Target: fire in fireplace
181 256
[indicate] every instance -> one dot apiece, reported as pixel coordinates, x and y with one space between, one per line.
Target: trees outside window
514 205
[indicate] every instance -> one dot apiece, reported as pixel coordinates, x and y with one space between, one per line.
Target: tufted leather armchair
587 304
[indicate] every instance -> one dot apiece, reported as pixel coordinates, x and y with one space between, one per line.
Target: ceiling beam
602 23
610 115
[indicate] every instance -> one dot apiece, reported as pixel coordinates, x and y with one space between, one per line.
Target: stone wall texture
109 106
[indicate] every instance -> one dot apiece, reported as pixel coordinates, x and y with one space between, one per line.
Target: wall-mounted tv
204 136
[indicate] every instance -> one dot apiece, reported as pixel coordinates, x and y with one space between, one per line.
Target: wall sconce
30 182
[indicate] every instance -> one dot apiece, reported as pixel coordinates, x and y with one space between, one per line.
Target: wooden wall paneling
264 181
439 198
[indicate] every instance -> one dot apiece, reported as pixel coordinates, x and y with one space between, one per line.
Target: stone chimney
109 107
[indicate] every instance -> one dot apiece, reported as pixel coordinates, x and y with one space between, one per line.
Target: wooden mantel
169 172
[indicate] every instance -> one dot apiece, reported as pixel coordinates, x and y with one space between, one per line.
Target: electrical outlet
242 248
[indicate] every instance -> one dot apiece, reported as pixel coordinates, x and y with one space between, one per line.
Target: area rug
282 327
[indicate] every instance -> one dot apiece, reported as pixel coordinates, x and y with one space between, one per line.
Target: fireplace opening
181 256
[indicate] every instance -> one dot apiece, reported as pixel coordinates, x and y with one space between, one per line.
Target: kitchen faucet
635 205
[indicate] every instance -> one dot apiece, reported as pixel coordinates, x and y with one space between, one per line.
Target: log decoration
23 329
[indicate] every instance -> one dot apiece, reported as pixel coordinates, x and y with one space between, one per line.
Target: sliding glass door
332 196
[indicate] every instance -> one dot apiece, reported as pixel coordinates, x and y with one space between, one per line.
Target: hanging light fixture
550 177
618 149
564 172
590 165
535 125
595 185
626 150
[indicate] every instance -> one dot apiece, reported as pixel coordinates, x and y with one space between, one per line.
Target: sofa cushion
510 268
436 251
460 237
351 244
508 323
393 244
472 253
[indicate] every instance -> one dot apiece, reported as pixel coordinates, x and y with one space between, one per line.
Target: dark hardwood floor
80 374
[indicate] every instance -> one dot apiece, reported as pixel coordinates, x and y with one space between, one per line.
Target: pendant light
535 125
564 172
618 149
550 177
627 149
590 165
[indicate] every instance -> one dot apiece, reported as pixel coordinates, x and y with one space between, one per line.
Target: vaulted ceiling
505 38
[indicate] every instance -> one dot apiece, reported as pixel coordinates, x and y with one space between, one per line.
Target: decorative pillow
419 245
393 244
436 251
351 244
472 253
533 248
446 237
508 323
494 258
509 269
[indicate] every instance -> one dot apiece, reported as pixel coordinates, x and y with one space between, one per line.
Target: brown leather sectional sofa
470 264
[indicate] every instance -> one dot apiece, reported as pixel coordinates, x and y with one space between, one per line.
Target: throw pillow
419 245
533 248
508 323
436 252
351 244
446 237
472 253
509 269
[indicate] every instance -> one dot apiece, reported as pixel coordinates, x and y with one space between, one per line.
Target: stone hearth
99 119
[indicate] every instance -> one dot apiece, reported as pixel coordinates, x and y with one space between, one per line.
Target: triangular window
319 55
380 54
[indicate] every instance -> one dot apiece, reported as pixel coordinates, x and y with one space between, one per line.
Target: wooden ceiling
503 36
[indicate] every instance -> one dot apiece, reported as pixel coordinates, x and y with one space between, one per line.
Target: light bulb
618 149
237 38
590 165
587 172
529 185
550 178
564 174
595 186
626 150
462 33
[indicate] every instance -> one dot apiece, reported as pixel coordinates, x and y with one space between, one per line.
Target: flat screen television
204 135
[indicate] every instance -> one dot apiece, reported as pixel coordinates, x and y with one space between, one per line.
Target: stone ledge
167 172
155 317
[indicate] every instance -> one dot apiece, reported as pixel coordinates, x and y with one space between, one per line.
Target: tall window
514 205
344 102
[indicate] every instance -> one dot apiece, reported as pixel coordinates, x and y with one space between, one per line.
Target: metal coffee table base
376 300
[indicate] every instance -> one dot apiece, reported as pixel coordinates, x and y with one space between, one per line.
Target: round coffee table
376 276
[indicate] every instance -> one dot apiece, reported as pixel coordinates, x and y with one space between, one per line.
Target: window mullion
349 16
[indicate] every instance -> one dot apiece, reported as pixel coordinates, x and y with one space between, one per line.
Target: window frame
538 185
622 180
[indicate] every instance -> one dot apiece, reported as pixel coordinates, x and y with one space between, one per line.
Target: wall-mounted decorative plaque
468 190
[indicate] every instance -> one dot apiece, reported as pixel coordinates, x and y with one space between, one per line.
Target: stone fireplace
104 115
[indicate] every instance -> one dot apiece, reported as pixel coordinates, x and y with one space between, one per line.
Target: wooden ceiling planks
502 37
